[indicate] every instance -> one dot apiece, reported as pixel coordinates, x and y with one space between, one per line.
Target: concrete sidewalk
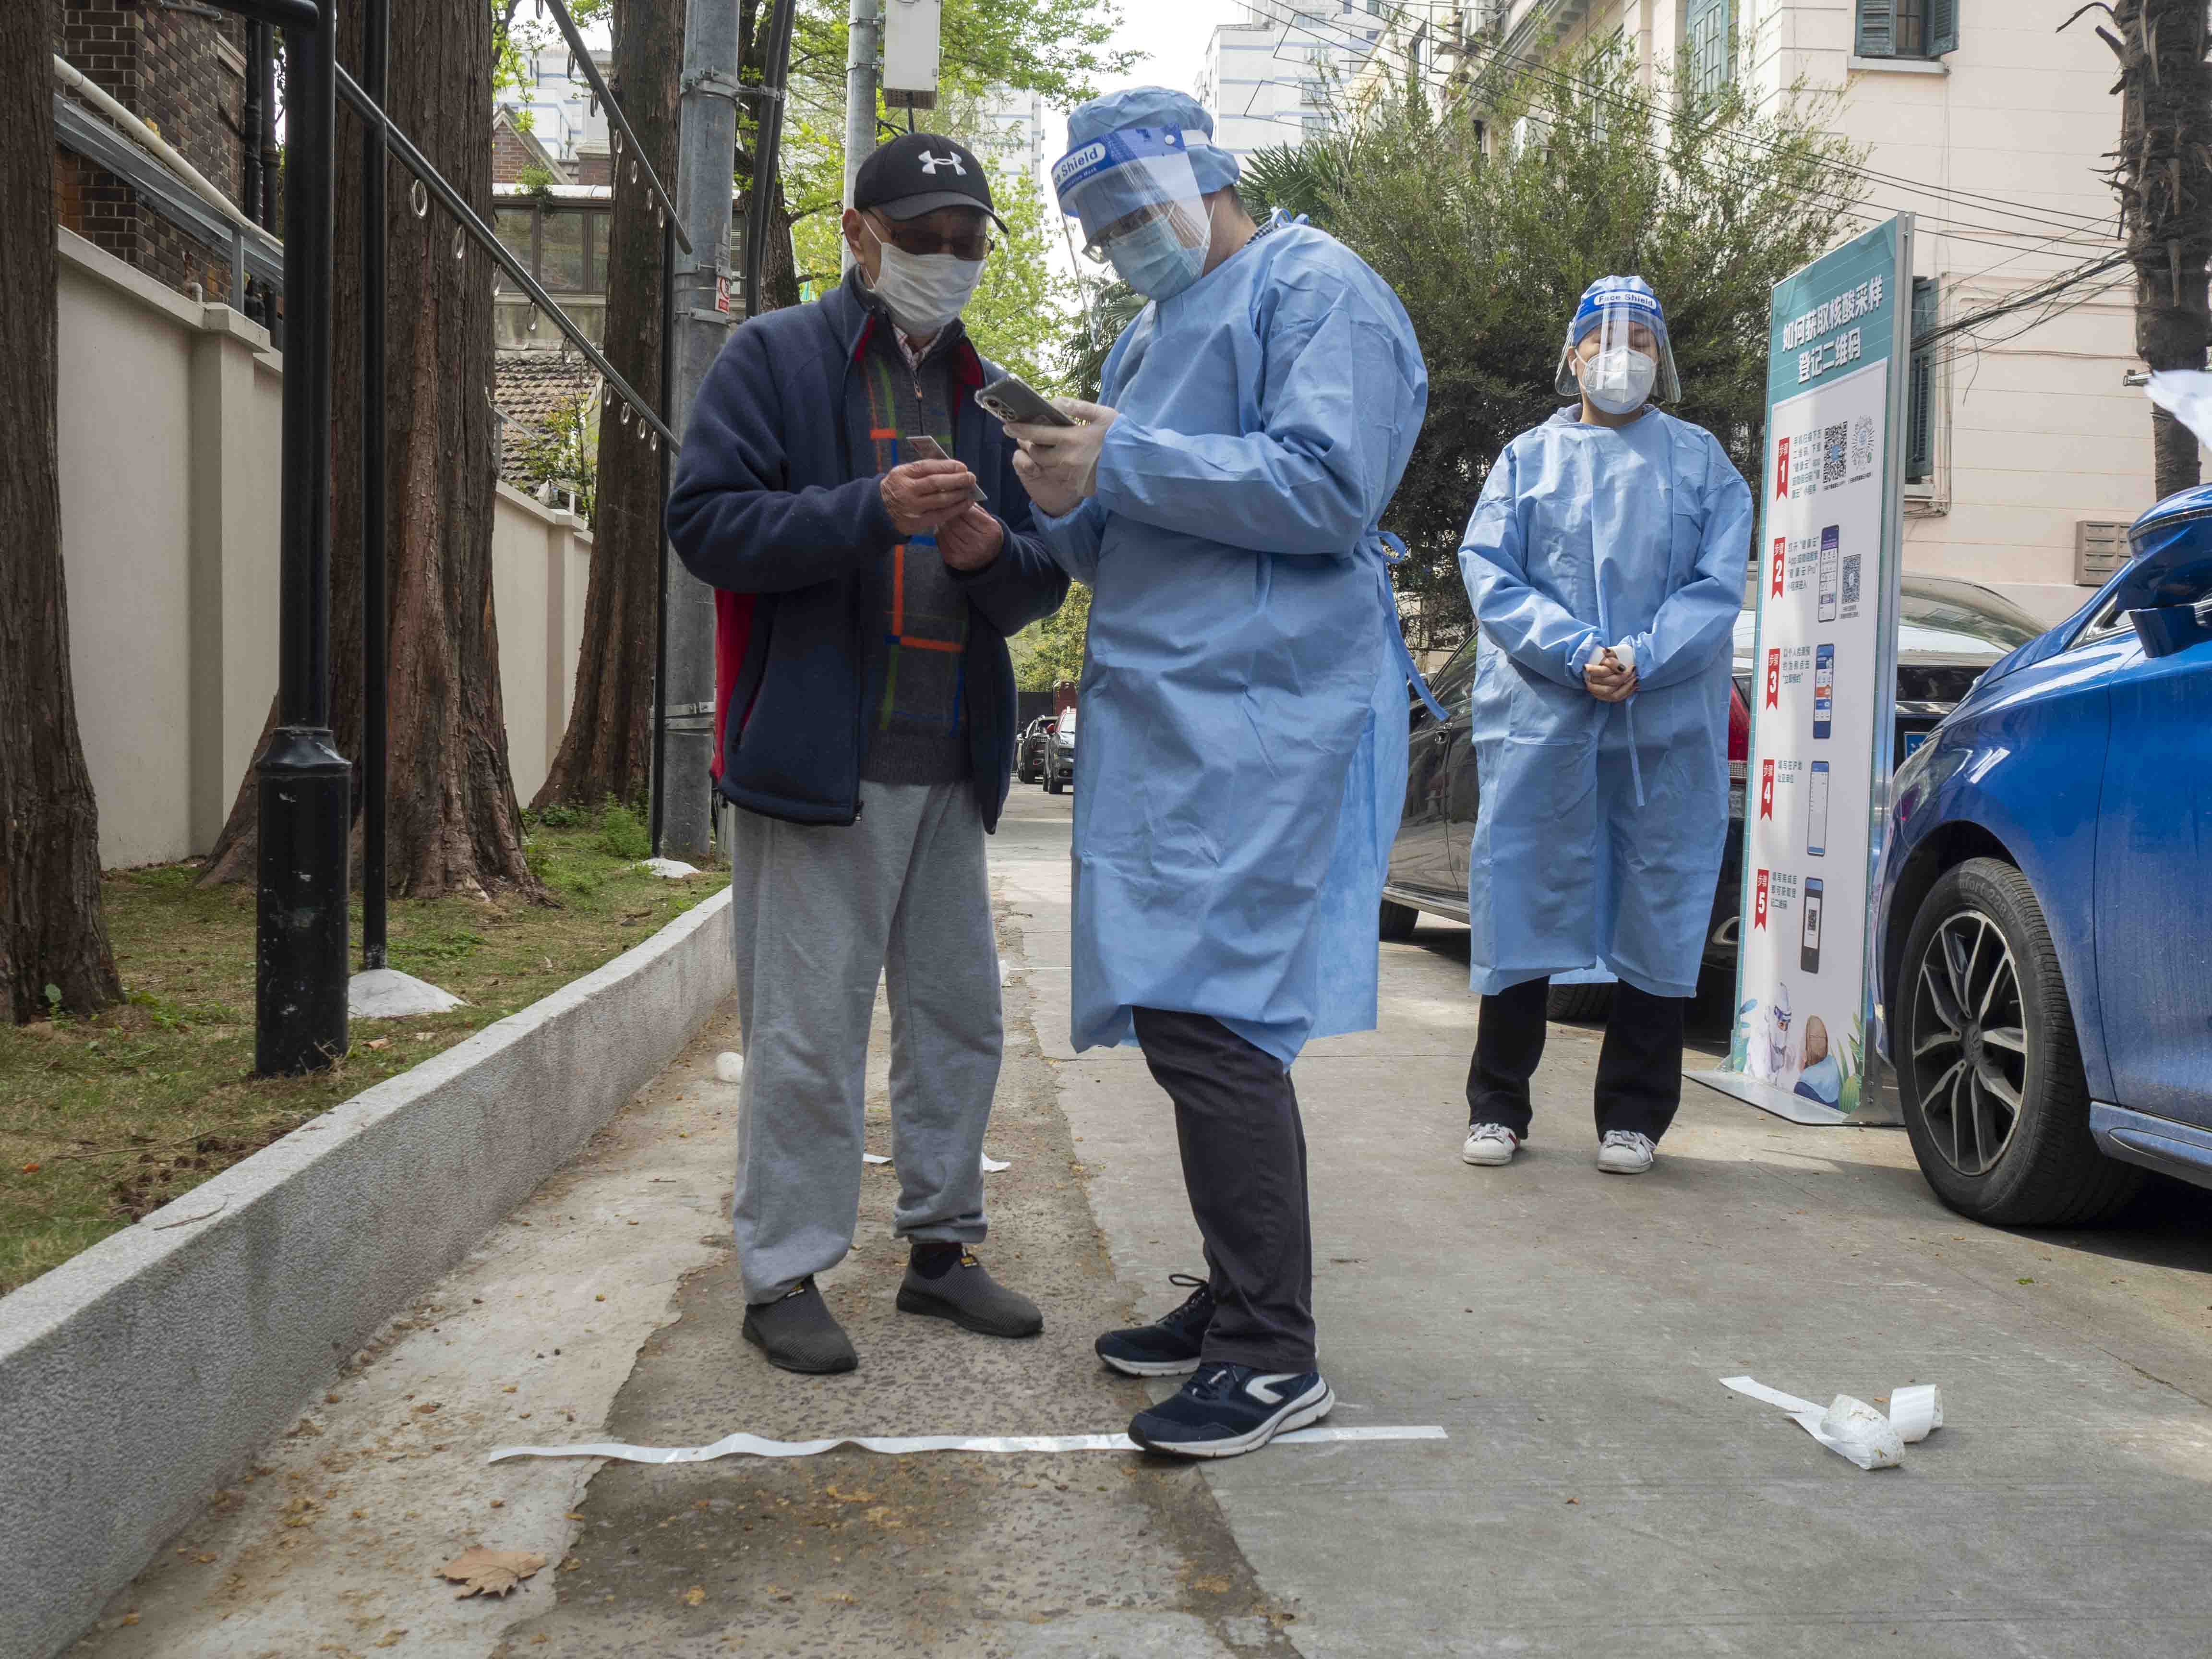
1601 1493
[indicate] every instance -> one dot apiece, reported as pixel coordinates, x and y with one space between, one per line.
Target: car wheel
1989 1069
1578 1004
1398 919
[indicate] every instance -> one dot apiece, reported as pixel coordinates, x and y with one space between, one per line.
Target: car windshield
1941 618
1067 720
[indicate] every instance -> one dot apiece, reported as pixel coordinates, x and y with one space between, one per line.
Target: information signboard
1824 682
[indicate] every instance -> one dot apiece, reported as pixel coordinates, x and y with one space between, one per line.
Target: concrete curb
145 1373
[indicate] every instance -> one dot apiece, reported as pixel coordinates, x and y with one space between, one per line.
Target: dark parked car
1029 752
2043 906
1948 634
1060 753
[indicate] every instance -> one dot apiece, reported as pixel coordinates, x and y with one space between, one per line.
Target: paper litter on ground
748 1445
729 1068
1851 1428
671 869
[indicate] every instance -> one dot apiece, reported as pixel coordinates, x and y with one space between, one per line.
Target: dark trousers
1244 1167
1639 1070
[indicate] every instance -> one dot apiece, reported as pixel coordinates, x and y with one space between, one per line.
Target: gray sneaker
966 1294
798 1333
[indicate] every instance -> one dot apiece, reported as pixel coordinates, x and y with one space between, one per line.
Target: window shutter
1877 29
1943 26
1920 416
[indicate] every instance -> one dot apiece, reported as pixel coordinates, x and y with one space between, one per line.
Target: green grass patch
104 1121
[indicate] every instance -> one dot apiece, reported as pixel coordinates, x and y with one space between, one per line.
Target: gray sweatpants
819 915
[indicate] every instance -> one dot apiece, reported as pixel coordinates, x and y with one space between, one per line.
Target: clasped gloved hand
1059 465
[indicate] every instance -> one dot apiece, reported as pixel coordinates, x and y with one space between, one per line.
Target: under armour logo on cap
930 164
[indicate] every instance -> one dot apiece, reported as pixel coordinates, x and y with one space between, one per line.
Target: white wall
167 429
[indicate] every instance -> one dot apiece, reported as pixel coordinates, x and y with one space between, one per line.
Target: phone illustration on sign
1808 946
1830 573
1824 690
1816 812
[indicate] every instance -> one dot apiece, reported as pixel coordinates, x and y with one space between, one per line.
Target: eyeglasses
921 242
1095 249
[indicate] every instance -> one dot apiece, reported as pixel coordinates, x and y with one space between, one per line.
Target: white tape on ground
750 1445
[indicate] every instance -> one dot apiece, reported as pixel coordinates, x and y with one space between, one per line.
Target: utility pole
863 52
707 140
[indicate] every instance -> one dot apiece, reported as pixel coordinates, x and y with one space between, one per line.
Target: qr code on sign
1835 454
1851 578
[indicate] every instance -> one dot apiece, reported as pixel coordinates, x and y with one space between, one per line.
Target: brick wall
183 75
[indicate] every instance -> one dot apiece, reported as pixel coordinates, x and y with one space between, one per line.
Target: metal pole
376 54
863 51
299 965
708 139
660 611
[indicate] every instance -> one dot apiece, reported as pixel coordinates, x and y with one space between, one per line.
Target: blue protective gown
1585 536
1243 758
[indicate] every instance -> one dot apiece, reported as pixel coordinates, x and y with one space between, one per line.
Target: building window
1707 32
1313 124
1920 416
1907 28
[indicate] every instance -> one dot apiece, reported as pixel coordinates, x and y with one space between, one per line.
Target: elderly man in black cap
866 585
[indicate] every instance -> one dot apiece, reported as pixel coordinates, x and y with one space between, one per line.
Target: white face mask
924 291
1620 381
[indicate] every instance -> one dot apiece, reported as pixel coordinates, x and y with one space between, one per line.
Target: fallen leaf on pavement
694 1596
490 1572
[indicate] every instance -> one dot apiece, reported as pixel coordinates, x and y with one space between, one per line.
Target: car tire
1578 1005
1397 921
1979 960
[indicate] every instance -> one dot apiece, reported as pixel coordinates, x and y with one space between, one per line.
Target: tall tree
1712 203
454 821
2163 173
51 930
608 747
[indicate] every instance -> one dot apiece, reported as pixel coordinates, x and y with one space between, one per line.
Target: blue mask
1153 260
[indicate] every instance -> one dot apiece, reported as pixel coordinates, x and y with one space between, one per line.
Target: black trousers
1244 1167
1639 1070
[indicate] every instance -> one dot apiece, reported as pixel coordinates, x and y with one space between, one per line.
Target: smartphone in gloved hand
921 446
1014 401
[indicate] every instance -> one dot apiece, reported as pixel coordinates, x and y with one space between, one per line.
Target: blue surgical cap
1631 294
1157 107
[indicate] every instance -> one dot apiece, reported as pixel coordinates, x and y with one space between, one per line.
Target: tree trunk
2165 181
608 747
52 930
454 821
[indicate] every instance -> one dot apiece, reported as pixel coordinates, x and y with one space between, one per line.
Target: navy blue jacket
767 510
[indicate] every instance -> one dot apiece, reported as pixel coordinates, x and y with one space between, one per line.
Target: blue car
2045 904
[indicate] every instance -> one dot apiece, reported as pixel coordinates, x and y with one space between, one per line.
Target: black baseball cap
918 172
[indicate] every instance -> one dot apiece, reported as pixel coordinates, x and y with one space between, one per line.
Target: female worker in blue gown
1605 561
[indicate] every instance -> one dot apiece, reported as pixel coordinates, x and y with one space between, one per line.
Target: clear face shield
1622 360
1134 199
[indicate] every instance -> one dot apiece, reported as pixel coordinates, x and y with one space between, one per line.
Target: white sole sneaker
1488 1152
1624 1160
1295 1414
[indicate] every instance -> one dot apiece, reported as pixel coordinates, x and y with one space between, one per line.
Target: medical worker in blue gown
1605 561
1243 699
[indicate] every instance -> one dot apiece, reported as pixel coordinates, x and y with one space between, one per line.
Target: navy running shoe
1167 1347
1228 1410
